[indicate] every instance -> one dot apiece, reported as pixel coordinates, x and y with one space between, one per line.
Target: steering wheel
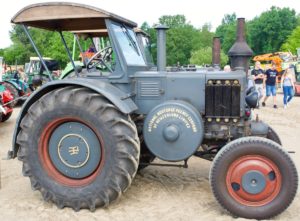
100 57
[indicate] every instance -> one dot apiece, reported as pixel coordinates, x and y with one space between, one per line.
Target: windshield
129 46
147 49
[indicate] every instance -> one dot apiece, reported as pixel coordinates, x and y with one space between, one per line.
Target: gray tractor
82 140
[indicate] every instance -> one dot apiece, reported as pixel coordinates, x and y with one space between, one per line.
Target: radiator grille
222 98
149 89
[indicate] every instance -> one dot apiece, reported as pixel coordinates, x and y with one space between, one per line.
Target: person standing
258 77
269 83
288 86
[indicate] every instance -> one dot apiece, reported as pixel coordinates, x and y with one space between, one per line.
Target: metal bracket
184 165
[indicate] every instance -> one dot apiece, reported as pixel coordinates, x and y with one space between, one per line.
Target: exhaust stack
240 52
161 47
216 53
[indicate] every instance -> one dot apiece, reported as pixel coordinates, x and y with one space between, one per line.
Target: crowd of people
266 83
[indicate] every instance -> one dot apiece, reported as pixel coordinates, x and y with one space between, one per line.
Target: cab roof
66 16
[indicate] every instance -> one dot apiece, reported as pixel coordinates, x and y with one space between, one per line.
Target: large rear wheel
254 178
78 149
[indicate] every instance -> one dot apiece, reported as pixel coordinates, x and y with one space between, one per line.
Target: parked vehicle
6 109
297 74
282 60
16 85
37 74
95 131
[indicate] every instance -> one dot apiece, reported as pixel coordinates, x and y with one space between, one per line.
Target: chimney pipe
216 53
240 52
161 47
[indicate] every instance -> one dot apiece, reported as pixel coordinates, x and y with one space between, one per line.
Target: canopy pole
80 48
69 53
93 43
74 48
37 51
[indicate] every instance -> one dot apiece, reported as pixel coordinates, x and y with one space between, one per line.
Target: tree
203 56
292 42
173 21
203 38
48 43
182 38
227 31
271 28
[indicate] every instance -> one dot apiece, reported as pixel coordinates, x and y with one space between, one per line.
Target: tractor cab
123 43
98 40
91 45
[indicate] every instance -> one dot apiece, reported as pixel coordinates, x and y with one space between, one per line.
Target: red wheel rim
43 148
266 188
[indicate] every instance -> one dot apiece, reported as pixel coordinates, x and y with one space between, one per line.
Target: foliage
182 38
227 31
173 21
270 29
204 56
292 42
48 43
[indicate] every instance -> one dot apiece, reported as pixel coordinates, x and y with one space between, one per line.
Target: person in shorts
270 80
258 77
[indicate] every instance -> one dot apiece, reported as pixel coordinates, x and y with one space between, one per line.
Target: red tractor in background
5 107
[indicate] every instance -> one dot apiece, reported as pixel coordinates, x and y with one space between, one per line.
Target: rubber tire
272 135
121 152
257 146
14 92
5 117
146 156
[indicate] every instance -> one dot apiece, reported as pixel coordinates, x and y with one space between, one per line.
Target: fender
259 128
120 99
13 83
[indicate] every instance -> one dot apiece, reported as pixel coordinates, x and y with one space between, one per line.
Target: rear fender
112 93
14 84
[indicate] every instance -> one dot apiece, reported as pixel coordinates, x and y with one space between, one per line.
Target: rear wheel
83 153
254 178
13 91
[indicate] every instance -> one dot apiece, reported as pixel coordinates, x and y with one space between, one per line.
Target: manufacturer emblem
74 150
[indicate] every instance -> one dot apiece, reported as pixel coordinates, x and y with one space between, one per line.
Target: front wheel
82 153
254 178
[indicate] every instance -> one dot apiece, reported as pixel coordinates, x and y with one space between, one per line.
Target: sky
197 12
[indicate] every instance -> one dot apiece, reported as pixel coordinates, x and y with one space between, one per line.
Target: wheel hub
253 180
74 150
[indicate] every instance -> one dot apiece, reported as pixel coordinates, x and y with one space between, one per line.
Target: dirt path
156 193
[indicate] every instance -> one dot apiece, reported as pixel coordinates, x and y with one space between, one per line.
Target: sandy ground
156 193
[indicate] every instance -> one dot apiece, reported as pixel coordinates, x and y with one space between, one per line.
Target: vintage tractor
36 73
95 131
6 98
17 86
297 77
